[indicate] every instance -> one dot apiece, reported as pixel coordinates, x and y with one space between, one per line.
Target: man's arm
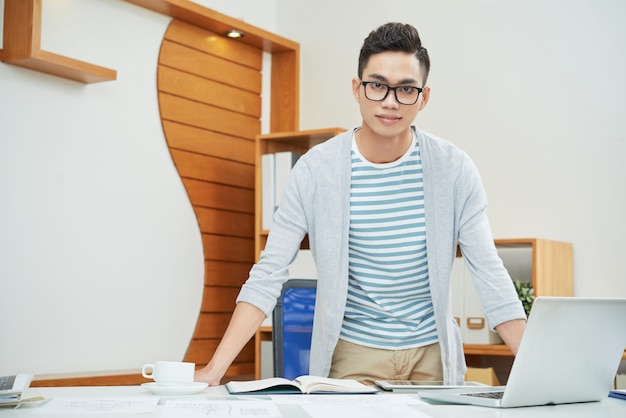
244 323
511 332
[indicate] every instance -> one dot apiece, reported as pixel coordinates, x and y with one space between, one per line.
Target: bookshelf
296 141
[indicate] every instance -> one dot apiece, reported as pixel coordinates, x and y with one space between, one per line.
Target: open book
301 384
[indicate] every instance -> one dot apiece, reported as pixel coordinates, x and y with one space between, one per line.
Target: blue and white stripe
389 304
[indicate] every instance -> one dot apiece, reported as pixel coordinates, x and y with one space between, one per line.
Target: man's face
387 117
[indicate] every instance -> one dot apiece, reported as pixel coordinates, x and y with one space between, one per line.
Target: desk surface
609 408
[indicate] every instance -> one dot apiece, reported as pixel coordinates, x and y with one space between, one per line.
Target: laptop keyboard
489 395
6 382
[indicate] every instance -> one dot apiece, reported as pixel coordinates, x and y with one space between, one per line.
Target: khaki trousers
366 364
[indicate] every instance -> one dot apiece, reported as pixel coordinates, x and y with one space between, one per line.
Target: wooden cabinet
551 264
299 142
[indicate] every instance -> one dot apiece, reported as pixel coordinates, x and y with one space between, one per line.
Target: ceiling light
234 34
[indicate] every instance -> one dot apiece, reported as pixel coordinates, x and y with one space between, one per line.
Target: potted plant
526 293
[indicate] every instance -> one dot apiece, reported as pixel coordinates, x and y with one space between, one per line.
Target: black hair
394 36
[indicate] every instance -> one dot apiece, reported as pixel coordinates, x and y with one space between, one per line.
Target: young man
384 206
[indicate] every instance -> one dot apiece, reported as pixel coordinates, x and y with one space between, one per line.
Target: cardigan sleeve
491 280
288 229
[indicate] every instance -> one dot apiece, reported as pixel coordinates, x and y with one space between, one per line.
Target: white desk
608 408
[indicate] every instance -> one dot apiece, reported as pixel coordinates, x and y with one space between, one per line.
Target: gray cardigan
316 201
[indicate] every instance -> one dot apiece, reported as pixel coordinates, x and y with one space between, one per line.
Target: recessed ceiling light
234 34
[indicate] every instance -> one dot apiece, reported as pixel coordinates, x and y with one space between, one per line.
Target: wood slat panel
219 196
201 350
220 222
207 142
204 116
219 299
212 325
210 109
215 44
210 67
225 273
202 167
240 371
222 248
206 125
209 92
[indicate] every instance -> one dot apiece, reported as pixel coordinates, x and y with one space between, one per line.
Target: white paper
117 405
371 410
220 409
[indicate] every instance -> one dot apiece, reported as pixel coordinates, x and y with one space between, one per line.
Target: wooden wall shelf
65 67
22 40
198 15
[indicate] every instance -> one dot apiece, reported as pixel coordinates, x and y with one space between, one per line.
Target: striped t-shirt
389 304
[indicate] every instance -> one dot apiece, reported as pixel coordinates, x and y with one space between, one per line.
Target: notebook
570 352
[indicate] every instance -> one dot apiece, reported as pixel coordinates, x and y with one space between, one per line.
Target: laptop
570 352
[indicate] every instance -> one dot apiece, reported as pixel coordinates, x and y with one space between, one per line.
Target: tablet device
415 385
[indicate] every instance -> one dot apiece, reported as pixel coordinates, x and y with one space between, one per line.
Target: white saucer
188 389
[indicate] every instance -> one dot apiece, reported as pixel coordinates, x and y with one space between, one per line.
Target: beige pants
366 364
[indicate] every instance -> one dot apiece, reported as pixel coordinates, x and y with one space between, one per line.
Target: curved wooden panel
209 99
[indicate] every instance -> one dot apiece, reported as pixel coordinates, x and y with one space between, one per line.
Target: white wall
101 263
533 90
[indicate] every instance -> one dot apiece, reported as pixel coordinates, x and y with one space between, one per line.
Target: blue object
619 394
292 328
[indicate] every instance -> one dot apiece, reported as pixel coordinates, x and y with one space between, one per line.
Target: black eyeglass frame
390 88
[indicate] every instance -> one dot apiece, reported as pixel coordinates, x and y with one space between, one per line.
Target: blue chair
292 328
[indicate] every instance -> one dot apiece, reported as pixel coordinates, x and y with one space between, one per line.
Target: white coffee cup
169 373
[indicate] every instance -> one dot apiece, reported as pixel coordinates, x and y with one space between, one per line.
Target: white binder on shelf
267 190
283 163
466 304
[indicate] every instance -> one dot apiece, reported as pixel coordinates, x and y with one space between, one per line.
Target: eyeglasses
377 91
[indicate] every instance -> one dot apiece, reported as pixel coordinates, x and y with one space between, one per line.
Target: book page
328 384
257 385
